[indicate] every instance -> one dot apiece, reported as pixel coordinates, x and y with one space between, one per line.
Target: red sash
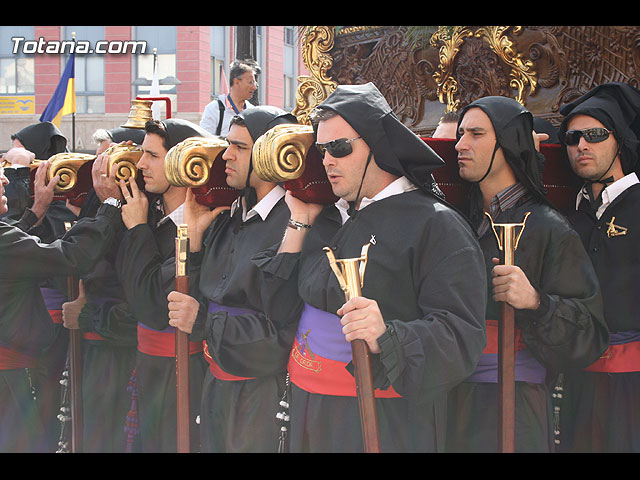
492 338
11 359
215 368
161 343
321 375
619 358
92 336
56 316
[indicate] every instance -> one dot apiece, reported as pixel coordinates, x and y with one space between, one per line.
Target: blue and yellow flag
63 101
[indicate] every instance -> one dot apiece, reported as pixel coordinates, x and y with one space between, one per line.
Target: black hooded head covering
178 130
396 149
259 120
513 125
122 134
44 139
617 107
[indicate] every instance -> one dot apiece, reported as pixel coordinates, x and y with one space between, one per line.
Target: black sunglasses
591 135
338 148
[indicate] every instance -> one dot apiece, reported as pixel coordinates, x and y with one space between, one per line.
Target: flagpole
73 115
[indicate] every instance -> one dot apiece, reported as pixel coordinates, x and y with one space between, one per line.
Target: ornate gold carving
279 155
347 30
66 166
522 73
188 163
312 90
451 40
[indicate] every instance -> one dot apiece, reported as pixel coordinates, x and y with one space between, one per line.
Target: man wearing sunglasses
551 287
601 133
423 292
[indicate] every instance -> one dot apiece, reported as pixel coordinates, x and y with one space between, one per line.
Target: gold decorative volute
312 90
189 163
450 40
522 73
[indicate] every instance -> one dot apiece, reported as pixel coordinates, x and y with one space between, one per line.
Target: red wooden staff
182 347
507 243
350 279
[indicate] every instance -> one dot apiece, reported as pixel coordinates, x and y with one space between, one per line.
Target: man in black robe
107 325
423 297
601 133
248 327
551 286
25 324
145 265
41 141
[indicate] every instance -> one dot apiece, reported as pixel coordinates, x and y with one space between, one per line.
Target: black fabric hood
617 106
44 139
259 120
122 134
513 125
179 130
396 149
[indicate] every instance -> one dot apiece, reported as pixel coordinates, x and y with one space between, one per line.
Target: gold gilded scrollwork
451 40
188 163
66 165
522 73
279 155
312 90
126 158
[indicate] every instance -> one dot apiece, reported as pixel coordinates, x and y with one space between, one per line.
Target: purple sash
527 369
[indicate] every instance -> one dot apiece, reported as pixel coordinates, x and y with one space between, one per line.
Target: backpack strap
222 108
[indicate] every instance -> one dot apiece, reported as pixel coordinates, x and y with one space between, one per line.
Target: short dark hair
237 120
240 67
449 117
158 128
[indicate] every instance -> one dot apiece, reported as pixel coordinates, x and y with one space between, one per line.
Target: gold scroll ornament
279 155
68 164
188 163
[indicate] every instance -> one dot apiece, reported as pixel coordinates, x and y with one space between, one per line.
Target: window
219 77
163 39
89 70
17 70
260 59
289 68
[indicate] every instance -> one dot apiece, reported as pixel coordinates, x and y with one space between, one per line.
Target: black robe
426 272
253 343
566 331
598 413
25 324
108 358
146 270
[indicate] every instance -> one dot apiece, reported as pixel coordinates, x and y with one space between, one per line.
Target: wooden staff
351 278
182 348
75 369
508 244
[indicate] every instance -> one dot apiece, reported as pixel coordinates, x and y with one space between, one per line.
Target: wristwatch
113 201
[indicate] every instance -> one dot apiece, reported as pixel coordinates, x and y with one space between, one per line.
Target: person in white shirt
242 85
